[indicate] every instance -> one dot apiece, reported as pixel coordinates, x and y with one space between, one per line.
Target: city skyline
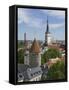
34 22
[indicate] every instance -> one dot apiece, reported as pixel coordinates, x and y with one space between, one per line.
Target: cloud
56 26
57 13
24 16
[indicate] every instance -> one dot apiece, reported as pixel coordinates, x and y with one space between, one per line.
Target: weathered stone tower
35 56
26 57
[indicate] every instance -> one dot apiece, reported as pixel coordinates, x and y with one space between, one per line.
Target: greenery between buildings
57 71
49 54
21 56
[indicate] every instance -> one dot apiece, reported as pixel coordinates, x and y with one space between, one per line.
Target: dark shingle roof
29 72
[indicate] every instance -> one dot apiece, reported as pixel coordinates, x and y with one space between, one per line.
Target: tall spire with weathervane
47 35
47 30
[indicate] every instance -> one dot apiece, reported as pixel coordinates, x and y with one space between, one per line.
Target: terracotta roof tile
35 48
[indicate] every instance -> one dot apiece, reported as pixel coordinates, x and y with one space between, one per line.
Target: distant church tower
35 56
24 37
26 51
47 35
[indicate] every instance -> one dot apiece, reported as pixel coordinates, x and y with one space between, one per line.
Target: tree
21 56
50 53
56 71
20 44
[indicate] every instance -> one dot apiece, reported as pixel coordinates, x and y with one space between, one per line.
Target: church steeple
47 35
47 29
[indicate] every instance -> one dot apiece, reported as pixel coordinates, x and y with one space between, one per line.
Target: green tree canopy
50 53
57 71
20 44
21 56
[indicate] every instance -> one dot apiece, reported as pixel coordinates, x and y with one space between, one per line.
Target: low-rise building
28 73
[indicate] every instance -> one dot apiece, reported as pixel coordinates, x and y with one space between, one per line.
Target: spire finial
47 19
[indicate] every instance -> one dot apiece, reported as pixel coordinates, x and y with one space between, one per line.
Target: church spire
47 30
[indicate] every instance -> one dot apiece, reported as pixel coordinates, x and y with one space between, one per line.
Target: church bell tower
47 35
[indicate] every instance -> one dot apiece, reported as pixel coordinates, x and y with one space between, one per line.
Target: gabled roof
29 72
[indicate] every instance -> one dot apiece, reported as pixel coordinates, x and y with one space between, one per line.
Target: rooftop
29 72
35 48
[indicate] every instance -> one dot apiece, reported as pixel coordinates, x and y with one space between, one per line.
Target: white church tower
48 38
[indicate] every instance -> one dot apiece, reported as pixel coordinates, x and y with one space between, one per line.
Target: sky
33 22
